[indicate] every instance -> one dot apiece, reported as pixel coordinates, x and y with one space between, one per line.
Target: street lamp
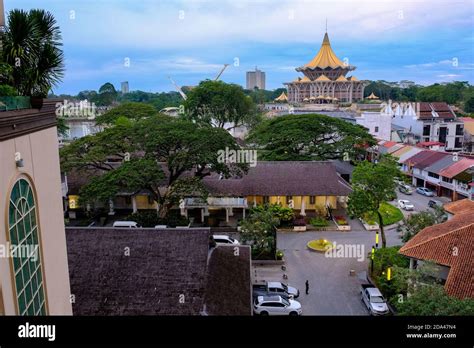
372 260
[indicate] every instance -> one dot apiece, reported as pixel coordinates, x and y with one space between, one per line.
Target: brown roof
419 157
429 160
450 244
282 178
163 264
460 207
227 284
458 167
441 109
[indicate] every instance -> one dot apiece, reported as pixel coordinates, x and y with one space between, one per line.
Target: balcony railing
216 202
14 103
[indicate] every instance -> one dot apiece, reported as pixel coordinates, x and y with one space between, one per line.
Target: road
419 201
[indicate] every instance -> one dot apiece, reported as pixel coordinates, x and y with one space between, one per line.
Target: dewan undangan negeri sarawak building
325 80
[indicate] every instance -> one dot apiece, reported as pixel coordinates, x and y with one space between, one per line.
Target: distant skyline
190 40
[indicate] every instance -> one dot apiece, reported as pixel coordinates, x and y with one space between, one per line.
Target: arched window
25 250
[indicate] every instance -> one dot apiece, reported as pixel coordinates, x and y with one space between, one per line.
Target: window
445 179
128 200
288 199
266 200
433 175
24 239
376 129
426 130
458 143
459 129
312 199
150 200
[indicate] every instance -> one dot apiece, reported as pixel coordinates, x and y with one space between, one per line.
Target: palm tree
32 48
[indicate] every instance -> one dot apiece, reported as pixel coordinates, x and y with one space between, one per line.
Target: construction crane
178 88
220 73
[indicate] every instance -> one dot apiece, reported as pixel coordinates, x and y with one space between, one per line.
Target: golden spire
325 57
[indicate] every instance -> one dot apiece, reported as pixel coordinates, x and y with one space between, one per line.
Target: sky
146 41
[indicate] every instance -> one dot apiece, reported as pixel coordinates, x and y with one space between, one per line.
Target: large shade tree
168 157
309 137
221 105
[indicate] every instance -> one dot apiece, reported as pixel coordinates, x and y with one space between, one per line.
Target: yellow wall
320 201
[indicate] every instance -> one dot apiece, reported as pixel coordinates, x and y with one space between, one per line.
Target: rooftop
450 244
282 178
325 58
147 272
460 207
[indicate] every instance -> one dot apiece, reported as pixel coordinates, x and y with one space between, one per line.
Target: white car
276 305
224 239
125 224
373 300
405 204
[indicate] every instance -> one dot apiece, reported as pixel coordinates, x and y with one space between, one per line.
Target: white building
428 122
378 124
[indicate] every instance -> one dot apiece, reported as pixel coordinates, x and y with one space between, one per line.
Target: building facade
124 87
34 277
255 79
325 80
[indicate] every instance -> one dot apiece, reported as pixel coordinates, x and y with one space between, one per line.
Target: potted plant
299 224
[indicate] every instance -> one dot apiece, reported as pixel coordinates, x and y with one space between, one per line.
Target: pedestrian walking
307 287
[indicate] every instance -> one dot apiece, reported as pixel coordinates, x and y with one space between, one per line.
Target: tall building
255 79
124 87
34 276
325 79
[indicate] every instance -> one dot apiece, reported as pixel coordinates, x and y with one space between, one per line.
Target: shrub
7 91
279 255
319 222
283 214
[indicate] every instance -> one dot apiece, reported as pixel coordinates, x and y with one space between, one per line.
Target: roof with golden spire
372 96
326 57
282 98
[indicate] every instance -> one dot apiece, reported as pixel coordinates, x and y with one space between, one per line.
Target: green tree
284 215
414 223
130 110
32 50
107 94
259 230
220 105
308 137
469 105
167 157
430 300
373 184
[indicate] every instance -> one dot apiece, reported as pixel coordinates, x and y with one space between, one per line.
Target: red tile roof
419 157
450 244
443 110
457 167
460 207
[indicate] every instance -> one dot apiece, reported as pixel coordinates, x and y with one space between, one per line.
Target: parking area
420 202
332 290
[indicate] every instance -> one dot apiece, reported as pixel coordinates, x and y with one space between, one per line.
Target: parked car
405 204
276 305
224 239
434 203
125 224
275 288
406 189
424 191
373 300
